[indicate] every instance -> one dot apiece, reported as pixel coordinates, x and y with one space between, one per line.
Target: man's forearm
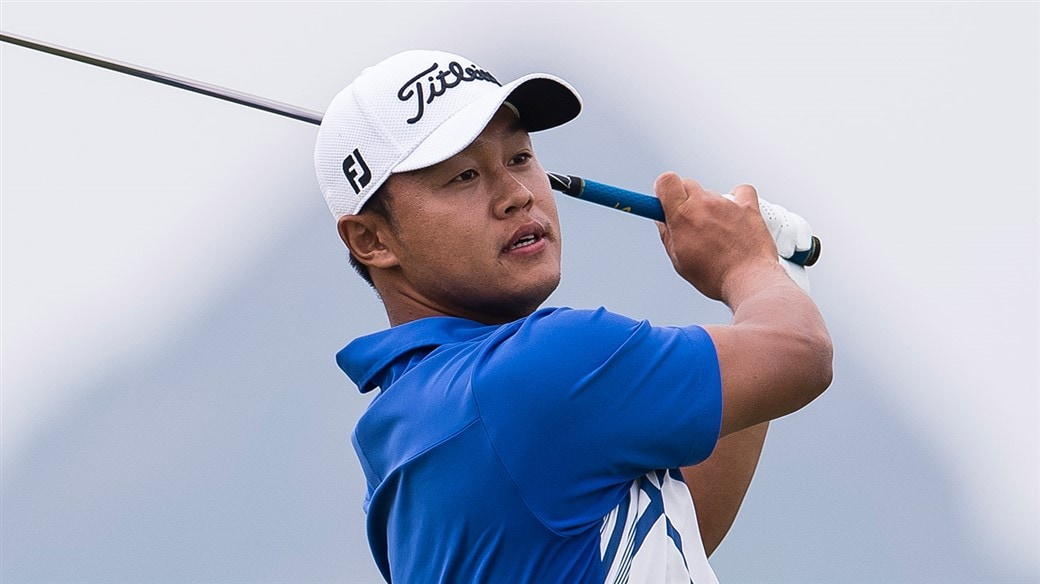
718 484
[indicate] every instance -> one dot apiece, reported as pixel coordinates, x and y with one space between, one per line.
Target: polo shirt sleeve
577 404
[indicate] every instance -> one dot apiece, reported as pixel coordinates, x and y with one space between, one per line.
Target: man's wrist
748 278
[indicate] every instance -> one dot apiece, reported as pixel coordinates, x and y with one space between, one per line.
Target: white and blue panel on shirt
653 536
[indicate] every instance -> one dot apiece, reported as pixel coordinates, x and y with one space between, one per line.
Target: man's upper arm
769 371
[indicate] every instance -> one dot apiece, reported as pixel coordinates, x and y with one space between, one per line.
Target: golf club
603 194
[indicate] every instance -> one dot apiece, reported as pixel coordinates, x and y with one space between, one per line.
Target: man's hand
791 233
775 356
714 242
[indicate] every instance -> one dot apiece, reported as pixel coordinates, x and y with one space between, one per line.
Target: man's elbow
820 364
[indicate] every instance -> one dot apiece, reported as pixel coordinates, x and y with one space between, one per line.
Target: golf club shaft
216 91
603 194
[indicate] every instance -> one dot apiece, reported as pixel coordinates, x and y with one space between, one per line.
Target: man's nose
513 196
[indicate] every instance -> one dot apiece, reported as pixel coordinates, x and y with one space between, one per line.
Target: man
512 443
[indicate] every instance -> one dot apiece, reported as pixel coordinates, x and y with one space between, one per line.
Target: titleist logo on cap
436 84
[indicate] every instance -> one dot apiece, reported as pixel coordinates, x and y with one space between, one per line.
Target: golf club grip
643 205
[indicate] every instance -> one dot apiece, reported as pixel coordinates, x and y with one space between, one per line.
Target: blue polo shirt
495 453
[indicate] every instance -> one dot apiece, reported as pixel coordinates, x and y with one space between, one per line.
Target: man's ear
366 237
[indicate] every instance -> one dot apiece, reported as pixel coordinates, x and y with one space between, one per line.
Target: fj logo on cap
438 83
357 180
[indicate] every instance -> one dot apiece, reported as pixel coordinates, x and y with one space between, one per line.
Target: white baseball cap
416 109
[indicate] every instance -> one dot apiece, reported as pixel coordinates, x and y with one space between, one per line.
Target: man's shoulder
553 344
561 320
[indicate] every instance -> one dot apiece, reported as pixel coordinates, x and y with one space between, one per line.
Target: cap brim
542 101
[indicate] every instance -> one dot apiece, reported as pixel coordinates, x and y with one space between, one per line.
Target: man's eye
466 176
522 158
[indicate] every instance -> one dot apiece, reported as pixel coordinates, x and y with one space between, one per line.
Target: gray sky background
174 291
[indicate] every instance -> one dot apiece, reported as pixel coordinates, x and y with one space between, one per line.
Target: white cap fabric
416 109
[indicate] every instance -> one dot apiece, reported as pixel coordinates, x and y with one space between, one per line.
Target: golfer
510 442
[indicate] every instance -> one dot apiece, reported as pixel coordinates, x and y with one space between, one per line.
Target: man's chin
536 295
521 301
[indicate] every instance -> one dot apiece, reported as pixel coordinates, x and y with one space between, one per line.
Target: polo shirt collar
371 359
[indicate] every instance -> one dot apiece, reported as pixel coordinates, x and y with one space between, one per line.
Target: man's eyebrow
516 126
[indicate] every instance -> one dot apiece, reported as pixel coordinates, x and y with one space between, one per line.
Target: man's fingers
673 190
803 235
669 189
790 231
745 194
663 230
779 221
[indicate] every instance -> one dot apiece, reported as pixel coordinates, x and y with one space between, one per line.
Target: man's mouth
528 235
525 241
